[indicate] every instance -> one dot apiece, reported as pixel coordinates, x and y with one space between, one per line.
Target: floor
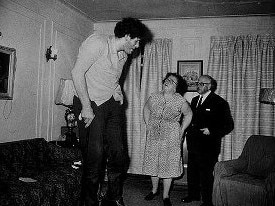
136 187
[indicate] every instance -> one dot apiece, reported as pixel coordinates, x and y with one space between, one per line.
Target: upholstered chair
250 179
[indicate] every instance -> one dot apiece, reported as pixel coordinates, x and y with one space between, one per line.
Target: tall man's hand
205 131
118 96
87 114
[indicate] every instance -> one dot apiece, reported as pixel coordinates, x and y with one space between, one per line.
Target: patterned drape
138 87
242 65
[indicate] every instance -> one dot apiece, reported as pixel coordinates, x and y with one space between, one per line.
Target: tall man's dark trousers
102 140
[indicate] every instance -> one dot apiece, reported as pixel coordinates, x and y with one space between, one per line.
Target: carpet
136 187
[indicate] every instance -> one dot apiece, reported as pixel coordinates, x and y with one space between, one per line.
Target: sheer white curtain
132 93
242 65
138 87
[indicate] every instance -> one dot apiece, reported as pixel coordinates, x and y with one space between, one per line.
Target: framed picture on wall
190 70
7 69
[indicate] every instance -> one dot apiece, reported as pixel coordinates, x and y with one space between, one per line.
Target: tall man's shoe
118 202
189 199
151 195
167 202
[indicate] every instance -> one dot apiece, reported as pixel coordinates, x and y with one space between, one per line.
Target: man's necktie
199 103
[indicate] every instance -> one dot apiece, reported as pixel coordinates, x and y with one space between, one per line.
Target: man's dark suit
203 150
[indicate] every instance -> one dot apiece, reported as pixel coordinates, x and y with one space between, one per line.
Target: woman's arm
188 114
146 111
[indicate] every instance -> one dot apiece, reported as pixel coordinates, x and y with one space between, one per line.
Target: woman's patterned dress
163 145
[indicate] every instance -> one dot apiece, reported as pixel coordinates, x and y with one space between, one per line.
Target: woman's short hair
181 87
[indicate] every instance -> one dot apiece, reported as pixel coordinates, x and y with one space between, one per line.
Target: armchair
250 179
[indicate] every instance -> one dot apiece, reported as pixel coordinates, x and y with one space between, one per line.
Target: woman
162 114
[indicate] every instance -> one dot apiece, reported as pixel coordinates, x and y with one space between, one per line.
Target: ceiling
113 10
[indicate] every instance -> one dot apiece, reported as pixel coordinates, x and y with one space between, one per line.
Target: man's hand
87 115
118 97
205 131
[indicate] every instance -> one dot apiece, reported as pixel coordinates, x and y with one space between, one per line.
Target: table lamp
65 94
267 95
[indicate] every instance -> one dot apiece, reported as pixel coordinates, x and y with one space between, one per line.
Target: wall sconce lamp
267 95
51 53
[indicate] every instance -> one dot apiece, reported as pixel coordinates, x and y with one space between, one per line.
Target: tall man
95 75
211 121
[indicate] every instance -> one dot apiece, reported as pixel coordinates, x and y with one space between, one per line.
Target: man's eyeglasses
202 83
171 81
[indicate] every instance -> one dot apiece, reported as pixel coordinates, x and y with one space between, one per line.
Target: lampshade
65 93
267 95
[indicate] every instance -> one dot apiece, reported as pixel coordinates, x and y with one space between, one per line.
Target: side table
71 136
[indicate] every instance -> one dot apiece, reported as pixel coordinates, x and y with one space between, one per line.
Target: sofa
35 172
250 179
